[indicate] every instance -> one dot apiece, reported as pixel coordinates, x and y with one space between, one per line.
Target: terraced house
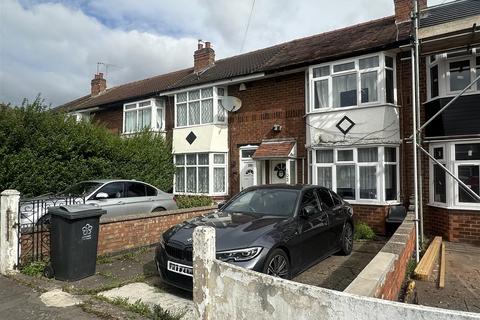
332 109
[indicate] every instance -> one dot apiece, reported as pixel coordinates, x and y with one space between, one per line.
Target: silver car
117 197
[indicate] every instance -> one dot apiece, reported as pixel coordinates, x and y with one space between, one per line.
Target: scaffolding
417 128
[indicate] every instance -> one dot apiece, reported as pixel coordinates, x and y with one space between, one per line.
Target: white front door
278 172
247 174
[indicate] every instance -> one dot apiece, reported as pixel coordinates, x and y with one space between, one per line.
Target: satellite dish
231 104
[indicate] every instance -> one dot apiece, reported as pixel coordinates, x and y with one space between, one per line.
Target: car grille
178 253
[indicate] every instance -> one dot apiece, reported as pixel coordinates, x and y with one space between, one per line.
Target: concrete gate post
9 231
203 258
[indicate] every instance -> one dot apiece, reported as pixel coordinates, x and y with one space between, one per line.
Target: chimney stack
203 57
99 84
404 8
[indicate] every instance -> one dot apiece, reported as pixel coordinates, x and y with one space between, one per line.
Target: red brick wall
453 224
266 102
394 280
123 233
111 118
374 216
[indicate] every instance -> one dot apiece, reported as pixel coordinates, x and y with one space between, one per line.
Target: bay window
448 74
362 81
200 106
201 173
463 159
143 114
358 174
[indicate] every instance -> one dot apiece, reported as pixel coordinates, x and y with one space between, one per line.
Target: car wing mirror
220 205
101 195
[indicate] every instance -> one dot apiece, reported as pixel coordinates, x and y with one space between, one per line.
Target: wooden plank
441 282
425 266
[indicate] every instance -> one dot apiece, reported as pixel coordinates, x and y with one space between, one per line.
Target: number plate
180 268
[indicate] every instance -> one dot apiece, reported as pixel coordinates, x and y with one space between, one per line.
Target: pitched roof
450 11
354 40
273 149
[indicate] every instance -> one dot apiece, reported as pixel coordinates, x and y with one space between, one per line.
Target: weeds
139 307
363 231
34 268
411 265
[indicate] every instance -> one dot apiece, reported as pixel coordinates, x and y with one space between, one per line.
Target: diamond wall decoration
345 125
191 137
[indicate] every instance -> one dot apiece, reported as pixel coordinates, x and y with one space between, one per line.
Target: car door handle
120 202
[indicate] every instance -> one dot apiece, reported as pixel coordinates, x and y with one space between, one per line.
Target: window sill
203 125
340 109
455 207
451 95
137 132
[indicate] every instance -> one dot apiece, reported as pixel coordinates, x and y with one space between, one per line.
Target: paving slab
20 302
151 296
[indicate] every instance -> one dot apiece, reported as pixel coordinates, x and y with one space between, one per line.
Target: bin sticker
87 232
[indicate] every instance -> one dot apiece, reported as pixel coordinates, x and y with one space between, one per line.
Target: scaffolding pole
414 130
418 114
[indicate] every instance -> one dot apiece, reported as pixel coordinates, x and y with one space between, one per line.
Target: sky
52 47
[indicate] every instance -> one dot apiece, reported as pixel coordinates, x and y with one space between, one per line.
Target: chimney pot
203 57
98 84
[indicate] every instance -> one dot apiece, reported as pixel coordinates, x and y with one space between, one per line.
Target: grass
34 268
155 313
411 265
363 231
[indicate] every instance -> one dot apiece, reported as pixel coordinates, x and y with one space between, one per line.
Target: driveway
337 271
462 280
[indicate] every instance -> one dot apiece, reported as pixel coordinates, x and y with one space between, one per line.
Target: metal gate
34 226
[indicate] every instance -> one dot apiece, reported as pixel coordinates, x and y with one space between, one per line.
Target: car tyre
48 272
347 239
277 264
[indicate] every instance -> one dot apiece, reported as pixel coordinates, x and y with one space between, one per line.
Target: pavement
20 302
132 277
462 280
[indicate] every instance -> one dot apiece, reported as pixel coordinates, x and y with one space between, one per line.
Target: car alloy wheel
347 240
278 266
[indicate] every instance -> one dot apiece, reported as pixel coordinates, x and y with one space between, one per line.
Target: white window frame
381 83
155 105
211 165
216 108
443 63
452 201
379 165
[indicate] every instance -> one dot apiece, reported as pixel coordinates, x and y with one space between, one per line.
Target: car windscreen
81 189
277 202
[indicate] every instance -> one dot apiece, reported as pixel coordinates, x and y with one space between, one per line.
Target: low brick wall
117 234
374 216
453 224
126 232
384 275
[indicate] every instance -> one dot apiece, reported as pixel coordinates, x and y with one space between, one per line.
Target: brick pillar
9 231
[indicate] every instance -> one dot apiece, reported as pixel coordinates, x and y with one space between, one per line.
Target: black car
279 230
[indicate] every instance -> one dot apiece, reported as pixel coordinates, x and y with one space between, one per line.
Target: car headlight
239 255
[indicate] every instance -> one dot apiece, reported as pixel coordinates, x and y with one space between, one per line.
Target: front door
248 174
278 172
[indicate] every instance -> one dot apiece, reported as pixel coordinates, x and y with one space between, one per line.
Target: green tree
43 151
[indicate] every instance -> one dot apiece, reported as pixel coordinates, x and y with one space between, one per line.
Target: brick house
332 109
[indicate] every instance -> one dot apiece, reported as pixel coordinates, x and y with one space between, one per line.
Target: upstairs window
143 114
448 74
201 106
352 83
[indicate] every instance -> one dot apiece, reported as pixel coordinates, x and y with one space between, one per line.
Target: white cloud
53 48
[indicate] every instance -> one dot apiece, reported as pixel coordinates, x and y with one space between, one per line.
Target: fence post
9 231
203 257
